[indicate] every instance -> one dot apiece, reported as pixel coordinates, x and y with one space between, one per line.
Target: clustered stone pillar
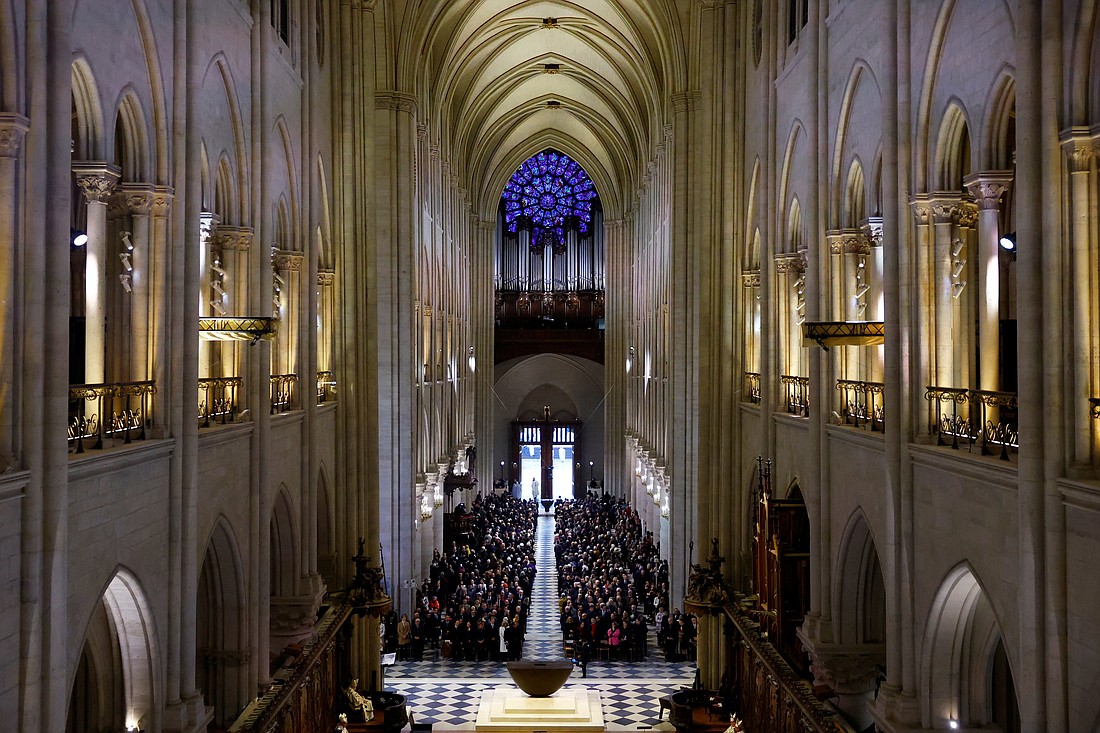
288 266
12 129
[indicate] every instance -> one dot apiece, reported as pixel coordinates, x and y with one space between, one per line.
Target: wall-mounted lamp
470 360
216 266
126 242
958 268
125 259
77 237
862 290
957 288
124 278
217 306
958 248
1008 242
953 724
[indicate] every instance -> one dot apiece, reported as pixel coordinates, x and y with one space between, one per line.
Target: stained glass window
550 193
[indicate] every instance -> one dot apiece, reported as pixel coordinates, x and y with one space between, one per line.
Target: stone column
12 129
157 257
963 311
1080 149
139 199
327 308
288 266
987 188
923 331
945 209
97 182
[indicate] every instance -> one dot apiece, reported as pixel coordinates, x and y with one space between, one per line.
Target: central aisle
447 693
543 624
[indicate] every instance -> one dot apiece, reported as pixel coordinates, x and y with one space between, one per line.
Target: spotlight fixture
77 237
958 248
957 288
126 241
217 267
124 257
958 268
862 290
218 307
217 287
124 278
1008 242
953 724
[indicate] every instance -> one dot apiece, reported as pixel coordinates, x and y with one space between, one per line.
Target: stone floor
447 693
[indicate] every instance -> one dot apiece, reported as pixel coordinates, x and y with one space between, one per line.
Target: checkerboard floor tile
447 693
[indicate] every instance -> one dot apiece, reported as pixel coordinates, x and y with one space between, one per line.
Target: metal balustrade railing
798 394
752 387
283 392
974 417
326 387
862 404
102 412
218 400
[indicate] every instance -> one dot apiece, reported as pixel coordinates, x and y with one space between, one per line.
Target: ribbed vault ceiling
481 66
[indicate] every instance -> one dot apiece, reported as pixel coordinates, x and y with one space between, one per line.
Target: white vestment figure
535 489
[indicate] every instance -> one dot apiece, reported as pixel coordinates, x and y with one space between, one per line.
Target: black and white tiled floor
448 694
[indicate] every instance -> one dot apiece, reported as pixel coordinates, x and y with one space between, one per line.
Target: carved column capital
921 206
790 262
13 128
750 279
945 207
987 188
326 277
162 200
967 214
287 259
97 180
137 198
392 99
232 238
872 230
848 669
686 101
1080 147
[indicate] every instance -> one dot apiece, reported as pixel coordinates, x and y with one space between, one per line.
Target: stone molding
13 128
232 238
750 279
97 180
968 214
287 259
394 100
326 277
359 4
294 614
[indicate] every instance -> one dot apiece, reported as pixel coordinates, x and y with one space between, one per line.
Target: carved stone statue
706 585
367 588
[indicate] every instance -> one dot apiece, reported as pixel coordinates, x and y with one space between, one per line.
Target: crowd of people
611 580
475 602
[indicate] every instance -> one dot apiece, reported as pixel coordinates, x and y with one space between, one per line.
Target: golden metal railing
862 404
218 400
798 394
116 410
972 417
283 388
326 387
752 387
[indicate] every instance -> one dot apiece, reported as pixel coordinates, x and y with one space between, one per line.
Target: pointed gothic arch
122 665
222 631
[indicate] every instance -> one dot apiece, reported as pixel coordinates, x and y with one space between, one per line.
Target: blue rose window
549 194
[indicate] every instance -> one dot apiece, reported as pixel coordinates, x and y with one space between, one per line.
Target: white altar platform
509 710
